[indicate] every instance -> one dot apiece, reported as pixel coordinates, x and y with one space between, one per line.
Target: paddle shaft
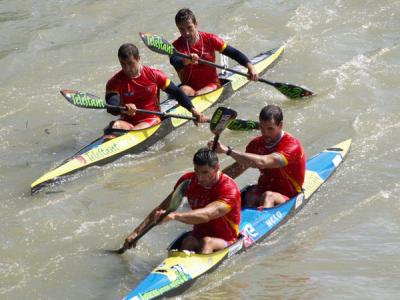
140 235
206 62
152 112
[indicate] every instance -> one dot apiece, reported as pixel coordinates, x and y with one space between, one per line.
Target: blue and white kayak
181 268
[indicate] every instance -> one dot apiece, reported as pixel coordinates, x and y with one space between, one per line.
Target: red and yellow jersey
199 75
225 191
288 179
143 91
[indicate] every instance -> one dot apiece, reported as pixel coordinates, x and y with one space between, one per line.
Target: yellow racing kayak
111 146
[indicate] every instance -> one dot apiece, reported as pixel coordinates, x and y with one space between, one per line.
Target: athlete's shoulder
179 42
256 141
205 34
227 181
116 79
147 69
290 139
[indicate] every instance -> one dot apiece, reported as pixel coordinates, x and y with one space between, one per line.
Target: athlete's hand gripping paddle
160 45
175 202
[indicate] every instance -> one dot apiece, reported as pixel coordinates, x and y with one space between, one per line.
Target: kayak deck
108 148
181 268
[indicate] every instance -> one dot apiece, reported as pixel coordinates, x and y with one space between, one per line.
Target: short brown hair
128 50
184 15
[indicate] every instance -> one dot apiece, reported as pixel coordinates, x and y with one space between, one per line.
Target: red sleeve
252 146
228 192
291 150
160 78
113 85
184 177
217 42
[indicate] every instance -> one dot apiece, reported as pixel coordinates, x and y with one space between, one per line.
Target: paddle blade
177 196
81 99
292 91
157 44
243 125
221 118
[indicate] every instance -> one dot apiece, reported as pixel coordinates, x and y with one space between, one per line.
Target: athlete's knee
268 199
188 90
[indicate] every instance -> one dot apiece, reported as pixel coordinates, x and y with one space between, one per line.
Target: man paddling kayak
200 78
278 155
138 86
215 202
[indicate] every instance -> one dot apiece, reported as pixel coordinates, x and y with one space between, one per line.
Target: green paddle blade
292 91
84 100
221 118
157 44
243 125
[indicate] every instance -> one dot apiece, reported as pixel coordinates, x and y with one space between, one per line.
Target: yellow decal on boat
201 102
312 182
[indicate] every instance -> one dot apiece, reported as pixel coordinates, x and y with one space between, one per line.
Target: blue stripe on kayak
323 163
257 223
156 284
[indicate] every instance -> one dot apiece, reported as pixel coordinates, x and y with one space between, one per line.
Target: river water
345 244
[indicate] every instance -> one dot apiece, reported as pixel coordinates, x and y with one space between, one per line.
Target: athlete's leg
211 244
189 91
121 124
270 199
252 197
208 88
190 243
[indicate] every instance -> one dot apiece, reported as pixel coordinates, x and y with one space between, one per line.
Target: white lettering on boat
274 219
250 230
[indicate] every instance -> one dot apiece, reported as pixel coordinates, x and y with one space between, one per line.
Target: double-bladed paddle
87 100
158 44
175 202
219 121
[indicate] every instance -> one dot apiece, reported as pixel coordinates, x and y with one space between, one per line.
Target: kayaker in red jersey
138 87
278 155
200 78
215 202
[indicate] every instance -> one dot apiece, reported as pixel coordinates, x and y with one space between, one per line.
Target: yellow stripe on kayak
238 80
107 149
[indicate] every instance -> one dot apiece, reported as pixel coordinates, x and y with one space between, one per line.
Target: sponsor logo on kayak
250 230
81 159
180 278
101 152
235 248
85 100
274 219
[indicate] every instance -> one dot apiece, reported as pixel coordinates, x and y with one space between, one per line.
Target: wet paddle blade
157 44
243 125
177 196
221 118
85 100
292 91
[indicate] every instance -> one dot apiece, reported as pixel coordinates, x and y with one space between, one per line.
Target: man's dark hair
270 112
128 50
205 156
184 15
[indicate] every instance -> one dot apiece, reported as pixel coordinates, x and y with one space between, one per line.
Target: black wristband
229 150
